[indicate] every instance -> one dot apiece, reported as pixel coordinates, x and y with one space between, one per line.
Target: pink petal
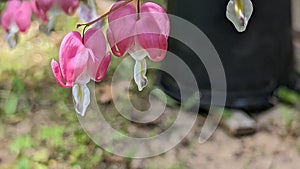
121 29
69 6
155 45
6 19
13 4
158 15
23 16
128 9
40 13
44 5
112 43
73 57
94 39
96 43
57 74
33 6
9 14
102 68
152 30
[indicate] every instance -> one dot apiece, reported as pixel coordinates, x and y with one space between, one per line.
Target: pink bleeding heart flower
68 6
16 18
42 7
79 62
139 34
19 13
48 10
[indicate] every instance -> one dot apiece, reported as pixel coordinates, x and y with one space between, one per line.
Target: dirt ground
271 147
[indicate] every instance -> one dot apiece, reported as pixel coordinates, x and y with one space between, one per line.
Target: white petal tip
143 84
239 12
82 114
140 69
81 95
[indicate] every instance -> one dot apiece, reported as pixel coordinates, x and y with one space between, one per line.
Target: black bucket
256 62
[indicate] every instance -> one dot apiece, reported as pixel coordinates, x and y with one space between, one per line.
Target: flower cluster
138 32
17 15
44 7
48 10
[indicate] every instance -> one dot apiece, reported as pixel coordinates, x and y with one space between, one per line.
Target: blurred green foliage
53 135
10 106
2 6
288 95
288 117
17 87
20 143
227 114
23 163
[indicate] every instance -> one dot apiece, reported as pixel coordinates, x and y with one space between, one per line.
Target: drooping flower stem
138 6
138 9
101 17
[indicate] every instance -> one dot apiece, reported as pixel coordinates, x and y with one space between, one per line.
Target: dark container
256 62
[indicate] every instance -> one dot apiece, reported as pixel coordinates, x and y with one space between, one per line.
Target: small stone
239 123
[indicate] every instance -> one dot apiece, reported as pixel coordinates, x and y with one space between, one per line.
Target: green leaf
17 85
10 105
23 163
288 95
227 114
20 143
53 135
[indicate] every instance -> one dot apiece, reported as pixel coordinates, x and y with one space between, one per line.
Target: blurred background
39 127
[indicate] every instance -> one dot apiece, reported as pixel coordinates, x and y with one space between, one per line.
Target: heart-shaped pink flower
44 6
16 18
79 62
17 13
139 34
147 30
68 6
